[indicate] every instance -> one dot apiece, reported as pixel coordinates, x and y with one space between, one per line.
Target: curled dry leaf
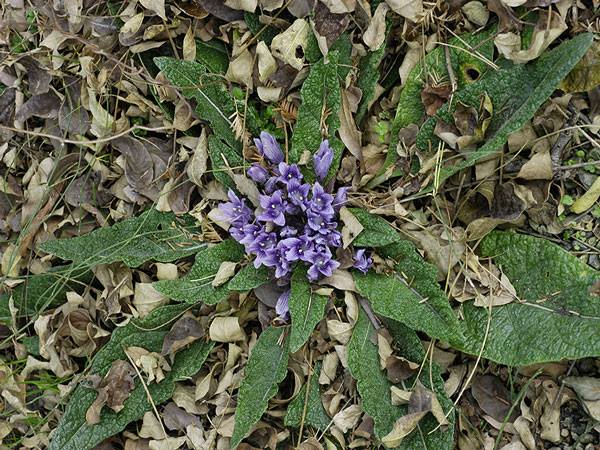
224 273
375 33
153 364
146 298
588 391
113 390
347 418
492 396
226 329
410 9
290 45
185 331
352 227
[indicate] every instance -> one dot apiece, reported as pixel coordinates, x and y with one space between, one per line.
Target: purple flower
321 202
289 172
298 193
316 221
264 249
250 232
273 208
362 261
297 248
322 160
340 198
258 173
235 211
322 263
269 148
282 308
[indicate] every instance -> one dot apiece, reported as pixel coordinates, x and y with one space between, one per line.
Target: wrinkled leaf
266 368
197 284
152 235
73 433
306 309
315 413
557 317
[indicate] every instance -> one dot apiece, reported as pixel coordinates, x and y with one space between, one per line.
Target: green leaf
373 386
196 285
249 278
266 33
320 93
368 76
392 296
266 368
153 235
213 55
214 102
556 317
516 92
306 309
376 231
410 106
223 157
315 415
40 292
409 346
73 432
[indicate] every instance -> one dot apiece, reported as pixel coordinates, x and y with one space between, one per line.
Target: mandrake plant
292 229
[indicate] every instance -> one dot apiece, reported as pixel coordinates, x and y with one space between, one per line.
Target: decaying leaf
290 45
113 390
184 331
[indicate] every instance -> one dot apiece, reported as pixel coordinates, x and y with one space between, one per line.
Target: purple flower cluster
296 222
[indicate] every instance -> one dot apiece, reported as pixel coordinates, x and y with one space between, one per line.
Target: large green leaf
196 285
73 432
266 368
249 278
42 291
374 387
306 309
376 231
214 102
408 345
321 100
516 92
465 64
153 235
392 296
557 316
308 408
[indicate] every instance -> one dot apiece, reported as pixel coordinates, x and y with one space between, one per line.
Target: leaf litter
97 128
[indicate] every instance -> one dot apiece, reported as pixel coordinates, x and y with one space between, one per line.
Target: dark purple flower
258 173
340 198
273 208
235 211
322 263
298 193
289 172
264 247
321 202
251 232
322 160
288 231
297 248
362 261
328 235
316 221
282 308
269 148
271 185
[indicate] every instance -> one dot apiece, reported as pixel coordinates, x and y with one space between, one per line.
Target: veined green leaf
557 315
408 345
153 235
321 100
249 278
376 231
213 55
43 291
315 415
306 309
392 296
73 432
373 386
223 158
214 102
468 55
516 92
197 285
266 368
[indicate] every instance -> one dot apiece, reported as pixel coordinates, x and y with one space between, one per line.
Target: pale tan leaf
198 163
375 32
226 329
244 5
352 227
146 298
402 428
157 6
285 46
410 9
189 45
225 272
587 200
